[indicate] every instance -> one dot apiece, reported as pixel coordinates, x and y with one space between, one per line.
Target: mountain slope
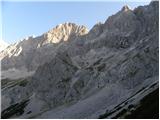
3 45
29 53
107 73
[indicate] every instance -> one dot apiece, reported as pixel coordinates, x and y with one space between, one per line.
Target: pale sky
22 19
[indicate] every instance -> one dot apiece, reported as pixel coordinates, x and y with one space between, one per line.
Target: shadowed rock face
98 74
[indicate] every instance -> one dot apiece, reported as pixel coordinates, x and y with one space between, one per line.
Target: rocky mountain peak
63 32
96 30
123 21
3 45
106 73
154 3
125 8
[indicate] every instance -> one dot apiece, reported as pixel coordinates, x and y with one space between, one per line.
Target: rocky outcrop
65 32
3 45
101 74
60 70
30 52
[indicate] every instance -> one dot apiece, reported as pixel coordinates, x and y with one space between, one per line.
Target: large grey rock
32 52
3 45
90 75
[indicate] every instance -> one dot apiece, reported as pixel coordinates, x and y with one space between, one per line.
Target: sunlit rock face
3 45
32 51
107 72
65 32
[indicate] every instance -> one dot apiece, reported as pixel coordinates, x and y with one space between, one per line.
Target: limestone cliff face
65 32
30 52
96 74
3 45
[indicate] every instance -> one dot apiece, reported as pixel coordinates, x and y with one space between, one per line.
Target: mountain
110 71
23 58
3 45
